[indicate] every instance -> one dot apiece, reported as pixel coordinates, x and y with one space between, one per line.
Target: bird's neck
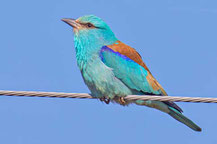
88 50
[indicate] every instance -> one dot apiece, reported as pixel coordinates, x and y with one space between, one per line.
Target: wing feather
135 56
129 67
131 73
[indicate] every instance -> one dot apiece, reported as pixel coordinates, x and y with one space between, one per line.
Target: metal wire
85 95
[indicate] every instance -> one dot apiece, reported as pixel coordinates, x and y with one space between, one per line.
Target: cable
85 95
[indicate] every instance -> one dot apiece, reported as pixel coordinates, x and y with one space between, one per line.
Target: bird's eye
89 25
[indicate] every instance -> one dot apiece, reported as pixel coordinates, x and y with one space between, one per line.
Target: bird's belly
102 82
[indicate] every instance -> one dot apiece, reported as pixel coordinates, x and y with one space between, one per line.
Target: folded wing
129 67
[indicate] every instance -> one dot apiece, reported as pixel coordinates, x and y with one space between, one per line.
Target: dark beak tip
64 19
71 22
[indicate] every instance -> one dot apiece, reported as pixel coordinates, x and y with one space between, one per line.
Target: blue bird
112 70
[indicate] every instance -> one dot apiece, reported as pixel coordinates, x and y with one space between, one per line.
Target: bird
112 70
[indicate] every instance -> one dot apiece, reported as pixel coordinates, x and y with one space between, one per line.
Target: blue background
177 40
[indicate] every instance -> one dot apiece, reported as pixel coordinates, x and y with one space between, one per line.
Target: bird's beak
71 22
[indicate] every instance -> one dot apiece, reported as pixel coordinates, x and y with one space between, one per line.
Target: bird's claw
107 101
122 100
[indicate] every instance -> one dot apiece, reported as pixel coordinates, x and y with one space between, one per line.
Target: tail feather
180 117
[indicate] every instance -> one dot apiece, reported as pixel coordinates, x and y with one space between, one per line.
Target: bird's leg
105 100
122 101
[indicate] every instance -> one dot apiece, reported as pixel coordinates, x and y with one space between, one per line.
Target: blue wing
129 72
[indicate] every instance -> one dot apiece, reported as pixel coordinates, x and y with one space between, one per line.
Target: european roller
112 70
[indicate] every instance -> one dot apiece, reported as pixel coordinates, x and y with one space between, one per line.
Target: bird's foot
122 101
107 101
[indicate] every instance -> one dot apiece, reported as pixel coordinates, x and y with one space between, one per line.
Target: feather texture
135 56
113 70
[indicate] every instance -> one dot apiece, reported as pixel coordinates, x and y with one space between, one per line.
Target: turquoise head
91 33
91 30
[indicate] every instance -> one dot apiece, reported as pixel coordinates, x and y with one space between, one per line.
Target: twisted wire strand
85 95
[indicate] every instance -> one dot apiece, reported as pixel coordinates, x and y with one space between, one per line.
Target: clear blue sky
177 40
